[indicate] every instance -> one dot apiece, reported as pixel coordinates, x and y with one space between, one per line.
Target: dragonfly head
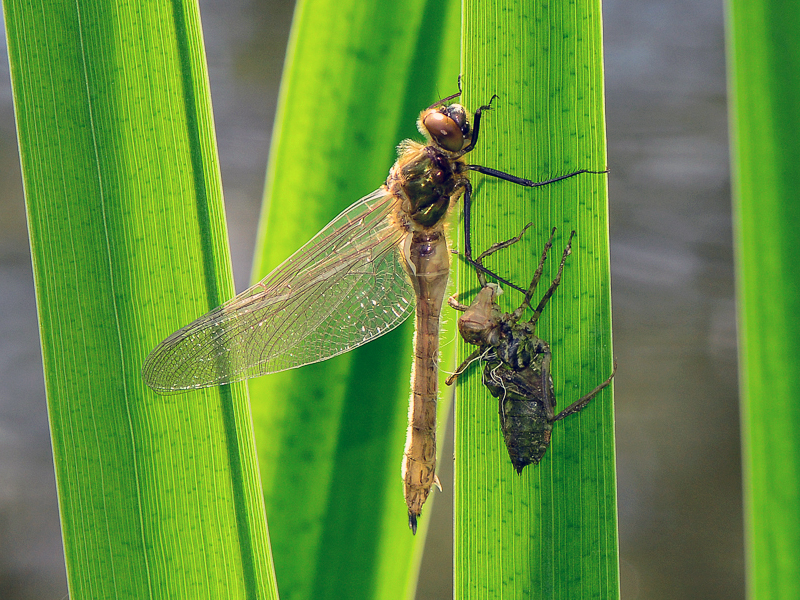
446 126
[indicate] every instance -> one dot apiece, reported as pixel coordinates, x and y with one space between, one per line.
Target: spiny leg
468 243
467 200
526 302
527 182
448 98
549 404
463 366
456 305
482 278
549 293
494 248
476 122
476 264
580 404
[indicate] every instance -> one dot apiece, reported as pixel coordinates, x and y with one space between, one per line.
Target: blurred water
674 325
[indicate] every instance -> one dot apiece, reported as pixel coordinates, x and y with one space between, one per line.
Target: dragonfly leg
527 182
501 245
526 302
549 293
467 202
476 121
448 98
581 403
455 304
463 367
468 243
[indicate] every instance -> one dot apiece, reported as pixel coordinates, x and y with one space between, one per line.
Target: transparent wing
342 289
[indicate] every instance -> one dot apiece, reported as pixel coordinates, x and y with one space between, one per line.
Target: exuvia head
479 323
446 126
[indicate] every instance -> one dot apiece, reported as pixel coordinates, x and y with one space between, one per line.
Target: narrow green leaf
331 435
764 56
551 532
159 497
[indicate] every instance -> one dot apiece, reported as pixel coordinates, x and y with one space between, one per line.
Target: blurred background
680 507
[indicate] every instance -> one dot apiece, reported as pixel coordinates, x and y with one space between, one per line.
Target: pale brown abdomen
428 265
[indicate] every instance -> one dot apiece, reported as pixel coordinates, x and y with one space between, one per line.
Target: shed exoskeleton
517 362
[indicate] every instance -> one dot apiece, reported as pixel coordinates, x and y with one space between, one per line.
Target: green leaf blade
762 49
158 497
357 76
552 531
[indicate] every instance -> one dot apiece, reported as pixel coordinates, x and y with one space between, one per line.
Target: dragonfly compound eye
459 114
444 131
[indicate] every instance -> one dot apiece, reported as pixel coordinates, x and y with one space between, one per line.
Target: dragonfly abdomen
428 266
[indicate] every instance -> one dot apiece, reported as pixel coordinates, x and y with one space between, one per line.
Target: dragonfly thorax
425 180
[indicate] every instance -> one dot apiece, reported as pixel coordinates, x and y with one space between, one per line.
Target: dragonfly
362 275
517 362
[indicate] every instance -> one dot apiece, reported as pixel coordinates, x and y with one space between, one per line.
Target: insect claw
437 483
412 522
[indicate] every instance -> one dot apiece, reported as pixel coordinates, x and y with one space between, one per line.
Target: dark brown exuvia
517 363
